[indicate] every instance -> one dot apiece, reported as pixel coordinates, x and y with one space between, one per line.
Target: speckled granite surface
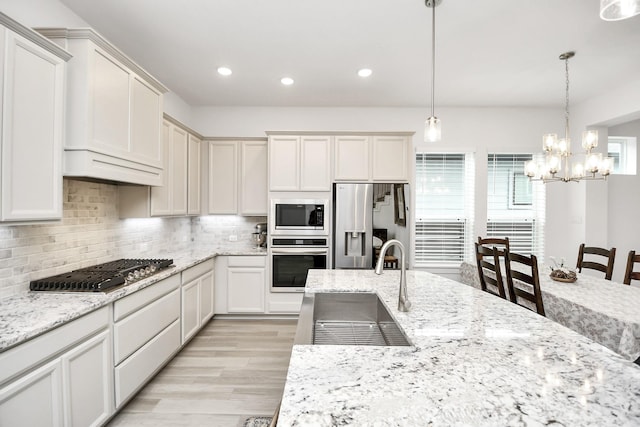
30 314
477 360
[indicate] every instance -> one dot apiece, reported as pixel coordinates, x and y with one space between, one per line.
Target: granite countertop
29 314
476 360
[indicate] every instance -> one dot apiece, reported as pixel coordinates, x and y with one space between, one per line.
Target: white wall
598 213
624 204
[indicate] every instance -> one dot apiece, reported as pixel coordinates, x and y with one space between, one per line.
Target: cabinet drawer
135 371
134 331
25 356
134 302
196 271
247 261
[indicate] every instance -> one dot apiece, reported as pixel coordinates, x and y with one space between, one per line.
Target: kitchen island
476 360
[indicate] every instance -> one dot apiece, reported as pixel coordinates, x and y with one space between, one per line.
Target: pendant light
432 130
616 10
557 165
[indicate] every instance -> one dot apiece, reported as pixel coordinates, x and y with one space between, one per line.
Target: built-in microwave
299 217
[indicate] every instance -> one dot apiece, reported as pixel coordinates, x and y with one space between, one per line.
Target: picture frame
399 209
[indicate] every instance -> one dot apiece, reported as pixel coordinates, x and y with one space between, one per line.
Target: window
623 151
515 205
444 209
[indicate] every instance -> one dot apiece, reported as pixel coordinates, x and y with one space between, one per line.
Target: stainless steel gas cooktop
101 277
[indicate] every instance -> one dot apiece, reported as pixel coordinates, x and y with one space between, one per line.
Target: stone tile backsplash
91 232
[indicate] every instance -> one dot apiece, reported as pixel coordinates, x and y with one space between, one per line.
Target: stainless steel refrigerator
364 217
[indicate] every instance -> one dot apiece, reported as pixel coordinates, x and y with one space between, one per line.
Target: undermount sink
347 319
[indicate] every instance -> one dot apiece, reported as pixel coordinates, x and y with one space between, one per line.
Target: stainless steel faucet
403 299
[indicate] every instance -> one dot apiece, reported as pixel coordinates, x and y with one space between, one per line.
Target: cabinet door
193 176
206 298
223 177
161 196
390 158
315 163
246 290
110 104
190 310
32 128
352 158
146 119
284 163
87 382
179 154
253 182
34 399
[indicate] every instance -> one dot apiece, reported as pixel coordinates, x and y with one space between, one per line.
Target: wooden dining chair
609 254
630 273
527 273
489 259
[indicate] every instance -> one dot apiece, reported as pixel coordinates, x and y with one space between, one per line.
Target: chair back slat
606 266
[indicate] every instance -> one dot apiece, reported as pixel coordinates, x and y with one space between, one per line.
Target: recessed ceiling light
365 72
287 81
224 71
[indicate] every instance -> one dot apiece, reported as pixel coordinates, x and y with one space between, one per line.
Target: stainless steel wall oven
292 258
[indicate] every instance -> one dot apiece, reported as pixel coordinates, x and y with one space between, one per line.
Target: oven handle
300 251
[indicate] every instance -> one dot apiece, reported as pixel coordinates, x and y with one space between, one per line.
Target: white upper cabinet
114 112
315 163
372 158
352 158
238 177
180 193
194 175
171 199
299 163
253 178
390 162
32 124
223 177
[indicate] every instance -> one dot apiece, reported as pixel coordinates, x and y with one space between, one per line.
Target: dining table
602 310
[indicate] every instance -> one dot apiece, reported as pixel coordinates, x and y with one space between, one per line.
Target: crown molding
34 37
104 44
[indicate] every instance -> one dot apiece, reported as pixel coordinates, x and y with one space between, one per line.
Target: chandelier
557 151
432 130
616 10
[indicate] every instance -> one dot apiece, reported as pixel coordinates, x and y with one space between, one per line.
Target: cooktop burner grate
100 277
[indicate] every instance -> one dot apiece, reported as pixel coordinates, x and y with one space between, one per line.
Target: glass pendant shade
553 164
589 139
563 146
432 131
578 171
616 10
549 142
593 162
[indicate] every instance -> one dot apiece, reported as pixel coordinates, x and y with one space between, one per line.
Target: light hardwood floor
231 370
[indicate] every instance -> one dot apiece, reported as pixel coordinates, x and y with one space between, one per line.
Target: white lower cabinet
197 298
146 335
284 302
240 284
61 378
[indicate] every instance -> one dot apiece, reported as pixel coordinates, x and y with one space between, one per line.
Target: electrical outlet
233 238
144 247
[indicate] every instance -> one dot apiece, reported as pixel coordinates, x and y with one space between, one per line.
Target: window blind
444 208
515 205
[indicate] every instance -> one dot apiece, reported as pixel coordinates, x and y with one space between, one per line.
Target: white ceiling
489 53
